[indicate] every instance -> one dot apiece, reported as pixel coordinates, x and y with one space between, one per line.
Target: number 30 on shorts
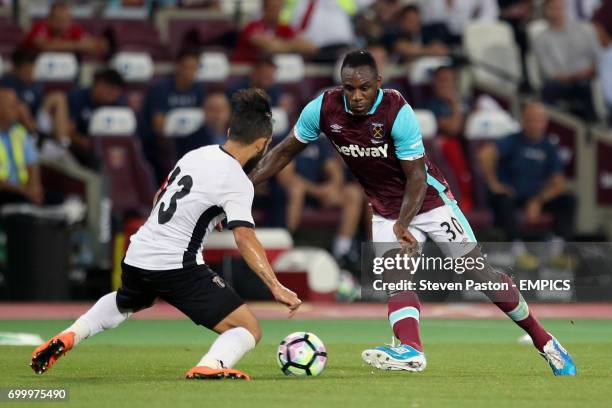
452 228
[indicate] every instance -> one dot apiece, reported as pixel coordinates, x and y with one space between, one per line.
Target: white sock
341 246
228 348
102 316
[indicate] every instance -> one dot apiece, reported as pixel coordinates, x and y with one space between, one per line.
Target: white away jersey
206 186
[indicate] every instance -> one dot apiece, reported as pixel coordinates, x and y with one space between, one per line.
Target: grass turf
470 363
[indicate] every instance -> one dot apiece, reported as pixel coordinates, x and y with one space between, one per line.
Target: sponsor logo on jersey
354 150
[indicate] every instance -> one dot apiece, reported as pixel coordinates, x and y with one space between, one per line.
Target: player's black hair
23 56
359 58
109 76
251 116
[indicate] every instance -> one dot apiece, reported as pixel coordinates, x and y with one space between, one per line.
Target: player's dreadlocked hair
251 116
359 58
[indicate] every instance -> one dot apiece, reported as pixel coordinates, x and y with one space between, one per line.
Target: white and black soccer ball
302 354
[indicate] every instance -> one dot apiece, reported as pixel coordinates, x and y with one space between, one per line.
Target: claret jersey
372 146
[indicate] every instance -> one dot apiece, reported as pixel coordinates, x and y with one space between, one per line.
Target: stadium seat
491 48
56 68
487 125
291 68
427 122
280 122
214 67
133 66
183 122
129 177
112 121
11 35
137 35
191 28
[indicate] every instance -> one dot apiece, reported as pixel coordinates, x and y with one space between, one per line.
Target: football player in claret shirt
376 133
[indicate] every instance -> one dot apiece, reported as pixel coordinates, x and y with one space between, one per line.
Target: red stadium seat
11 36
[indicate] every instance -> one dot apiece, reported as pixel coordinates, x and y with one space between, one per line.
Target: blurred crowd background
98 99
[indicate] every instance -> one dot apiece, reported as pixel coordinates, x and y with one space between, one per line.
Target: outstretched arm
276 159
253 253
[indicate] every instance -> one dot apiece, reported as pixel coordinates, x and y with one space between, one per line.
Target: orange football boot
47 353
207 373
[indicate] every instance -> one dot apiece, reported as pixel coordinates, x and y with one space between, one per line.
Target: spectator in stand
327 24
602 21
455 15
180 90
451 111
316 179
372 22
262 76
34 105
107 90
567 53
523 172
59 33
19 173
410 41
269 35
217 113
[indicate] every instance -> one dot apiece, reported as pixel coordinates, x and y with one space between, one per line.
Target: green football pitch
471 363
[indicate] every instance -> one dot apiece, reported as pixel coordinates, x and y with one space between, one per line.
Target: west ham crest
378 132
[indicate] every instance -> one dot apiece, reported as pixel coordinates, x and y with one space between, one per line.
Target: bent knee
255 330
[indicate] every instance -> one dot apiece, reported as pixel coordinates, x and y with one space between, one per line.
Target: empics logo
354 150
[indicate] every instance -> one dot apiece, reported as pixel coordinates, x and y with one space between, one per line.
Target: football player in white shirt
164 259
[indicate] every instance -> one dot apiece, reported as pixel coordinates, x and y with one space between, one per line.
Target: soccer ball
302 354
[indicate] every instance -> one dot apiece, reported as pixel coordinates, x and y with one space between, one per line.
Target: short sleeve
237 201
505 146
406 134
307 128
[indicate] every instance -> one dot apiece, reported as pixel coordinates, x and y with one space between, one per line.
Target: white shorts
445 225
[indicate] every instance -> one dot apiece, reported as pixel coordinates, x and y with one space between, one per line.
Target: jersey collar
374 107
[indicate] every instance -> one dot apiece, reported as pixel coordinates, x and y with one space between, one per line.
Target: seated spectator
270 36
107 90
451 111
34 105
19 173
523 172
59 33
327 24
316 178
217 113
455 15
518 13
262 76
179 90
602 21
372 22
567 53
410 41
